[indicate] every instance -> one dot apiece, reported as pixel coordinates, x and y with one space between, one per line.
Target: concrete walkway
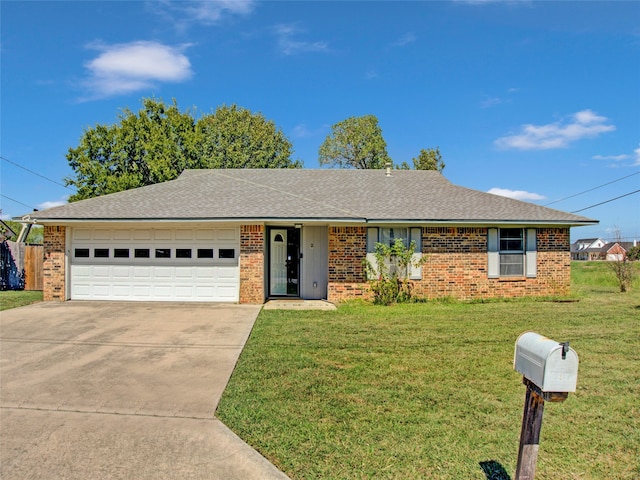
122 390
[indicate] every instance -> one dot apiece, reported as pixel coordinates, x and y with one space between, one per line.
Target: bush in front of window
390 274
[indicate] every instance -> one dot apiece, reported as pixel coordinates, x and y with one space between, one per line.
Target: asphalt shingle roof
347 195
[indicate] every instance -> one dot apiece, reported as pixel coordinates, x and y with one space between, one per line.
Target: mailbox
550 365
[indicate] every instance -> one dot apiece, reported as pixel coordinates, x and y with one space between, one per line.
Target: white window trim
530 253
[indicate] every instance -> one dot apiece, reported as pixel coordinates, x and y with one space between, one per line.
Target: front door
284 262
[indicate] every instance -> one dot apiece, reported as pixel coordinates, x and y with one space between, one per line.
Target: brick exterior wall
456 265
252 248
53 267
347 249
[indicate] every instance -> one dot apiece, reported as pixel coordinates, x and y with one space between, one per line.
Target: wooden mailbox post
550 372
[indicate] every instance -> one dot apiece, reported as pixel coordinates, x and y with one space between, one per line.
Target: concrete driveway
121 390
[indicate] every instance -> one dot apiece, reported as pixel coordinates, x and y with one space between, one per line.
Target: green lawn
18 298
428 390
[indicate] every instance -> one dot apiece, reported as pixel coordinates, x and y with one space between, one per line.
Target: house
252 234
597 249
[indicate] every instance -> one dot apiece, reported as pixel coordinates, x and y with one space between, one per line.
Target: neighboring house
592 249
249 235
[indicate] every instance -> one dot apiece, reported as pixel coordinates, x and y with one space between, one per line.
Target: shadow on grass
494 470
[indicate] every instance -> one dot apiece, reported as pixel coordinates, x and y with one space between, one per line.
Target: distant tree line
159 141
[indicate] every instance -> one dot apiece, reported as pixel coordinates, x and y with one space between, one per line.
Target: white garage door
191 264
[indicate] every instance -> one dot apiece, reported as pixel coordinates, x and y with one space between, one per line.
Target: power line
14 200
34 173
606 201
591 189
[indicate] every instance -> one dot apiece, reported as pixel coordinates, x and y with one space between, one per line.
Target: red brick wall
456 265
347 249
252 249
53 268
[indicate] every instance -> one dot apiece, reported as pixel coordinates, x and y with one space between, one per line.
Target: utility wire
591 189
606 201
34 173
14 200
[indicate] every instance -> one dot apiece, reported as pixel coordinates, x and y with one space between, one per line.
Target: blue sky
535 100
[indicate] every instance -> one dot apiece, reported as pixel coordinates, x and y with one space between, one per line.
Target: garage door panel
101 291
142 272
149 278
162 291
226 273
120 271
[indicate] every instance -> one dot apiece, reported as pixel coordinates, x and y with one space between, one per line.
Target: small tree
390 274
428 159
622 266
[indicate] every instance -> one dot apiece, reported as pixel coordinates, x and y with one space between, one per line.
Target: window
101 253
163 253
141 253
226 253
120 253
205 253
183 253
387 236
81 253
512 252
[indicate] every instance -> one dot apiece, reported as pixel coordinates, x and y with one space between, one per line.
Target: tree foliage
622 267
428 159
233 137
157 143
356 142
35 236
390 273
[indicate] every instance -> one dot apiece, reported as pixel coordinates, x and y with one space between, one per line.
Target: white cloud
302 131
405 39
206 12
289 45
491 101
129 67
583 124
516 194
53 203
615 158
210 11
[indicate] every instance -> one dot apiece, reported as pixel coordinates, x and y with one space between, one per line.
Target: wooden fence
33 259
21 266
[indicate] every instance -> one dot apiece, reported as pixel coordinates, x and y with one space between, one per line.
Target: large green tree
356 142
233 137
157 143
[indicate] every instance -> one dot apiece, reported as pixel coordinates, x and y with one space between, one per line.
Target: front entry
284 262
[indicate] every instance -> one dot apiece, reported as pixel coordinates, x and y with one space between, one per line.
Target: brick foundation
53 267
252 264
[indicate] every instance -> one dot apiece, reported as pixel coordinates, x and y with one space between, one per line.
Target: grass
428 390
18 298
